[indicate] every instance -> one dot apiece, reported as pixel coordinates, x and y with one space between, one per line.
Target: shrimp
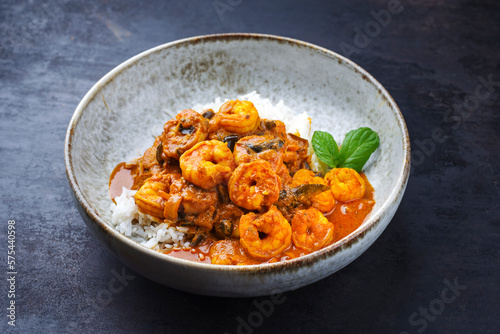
229 252
325 201
265 236
346 184
311 230
151 197
260 147
303 176
183 132
150 157
284 174
196 204
274 128
194 199
296 154
207 164
254 185
238 116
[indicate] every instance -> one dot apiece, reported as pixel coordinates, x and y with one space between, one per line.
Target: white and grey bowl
114 122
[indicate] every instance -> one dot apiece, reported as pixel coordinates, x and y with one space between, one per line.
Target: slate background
430 57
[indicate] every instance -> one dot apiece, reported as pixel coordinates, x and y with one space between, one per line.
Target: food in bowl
234 188
115 120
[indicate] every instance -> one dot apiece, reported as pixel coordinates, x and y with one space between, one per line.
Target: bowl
116 117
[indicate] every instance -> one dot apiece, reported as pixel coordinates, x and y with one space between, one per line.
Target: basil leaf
357 147
326 148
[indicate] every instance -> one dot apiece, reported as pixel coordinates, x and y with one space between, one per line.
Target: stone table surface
436 267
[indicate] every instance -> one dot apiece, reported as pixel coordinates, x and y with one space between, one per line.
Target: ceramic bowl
113 123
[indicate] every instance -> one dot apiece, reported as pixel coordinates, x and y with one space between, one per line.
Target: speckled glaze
114 122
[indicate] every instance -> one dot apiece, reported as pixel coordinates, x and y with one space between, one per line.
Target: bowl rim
346 242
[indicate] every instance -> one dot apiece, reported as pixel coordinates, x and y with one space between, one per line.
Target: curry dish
242 188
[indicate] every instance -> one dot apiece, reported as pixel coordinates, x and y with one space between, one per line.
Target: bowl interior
116 120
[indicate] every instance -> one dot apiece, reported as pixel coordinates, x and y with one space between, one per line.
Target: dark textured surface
431 57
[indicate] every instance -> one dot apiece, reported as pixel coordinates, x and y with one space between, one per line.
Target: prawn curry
242 188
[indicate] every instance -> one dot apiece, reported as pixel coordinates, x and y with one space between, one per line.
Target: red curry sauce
120 177
211 172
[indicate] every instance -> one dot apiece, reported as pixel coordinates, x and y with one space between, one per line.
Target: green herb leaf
357 147
326 148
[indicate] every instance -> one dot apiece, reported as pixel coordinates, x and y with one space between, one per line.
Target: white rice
129 221
298 124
